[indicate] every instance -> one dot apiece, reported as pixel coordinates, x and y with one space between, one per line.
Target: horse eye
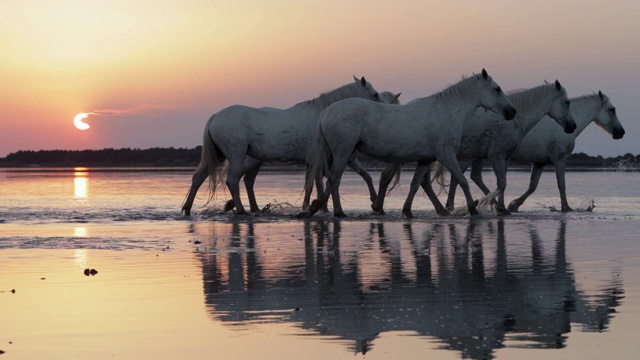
613 110
376 95
498 89
568 102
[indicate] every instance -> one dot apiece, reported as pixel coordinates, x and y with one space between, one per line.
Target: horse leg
453 185
357 167
386 176
333 185
249 180
420 177
500 169
322 193
199 176
234 173
536 172
431 194
560 178
451 163
476 175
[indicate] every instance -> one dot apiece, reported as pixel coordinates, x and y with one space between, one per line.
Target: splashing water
273 208
280 208
486 205
587 204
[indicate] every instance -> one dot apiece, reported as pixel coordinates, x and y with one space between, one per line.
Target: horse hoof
504 212
340 214
567 209
473 212
303 215
242 213
443 212
229 206
513 207
407 213
187 212
378 212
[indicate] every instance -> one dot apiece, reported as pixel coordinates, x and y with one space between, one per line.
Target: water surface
535 284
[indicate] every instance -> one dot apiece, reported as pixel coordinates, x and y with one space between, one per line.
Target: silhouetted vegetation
191 157
104 157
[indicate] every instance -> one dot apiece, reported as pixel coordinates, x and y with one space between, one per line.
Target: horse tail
438 172
320 163
391 174
214 161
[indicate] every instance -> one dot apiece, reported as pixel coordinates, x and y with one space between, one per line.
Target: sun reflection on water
81 182
80 231
80 257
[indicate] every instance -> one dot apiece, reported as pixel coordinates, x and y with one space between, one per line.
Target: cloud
140 109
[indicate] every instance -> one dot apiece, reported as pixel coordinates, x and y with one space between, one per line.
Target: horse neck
584 110
461 99
341 93
532 106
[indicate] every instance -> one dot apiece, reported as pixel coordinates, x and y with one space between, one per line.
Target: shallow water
535 284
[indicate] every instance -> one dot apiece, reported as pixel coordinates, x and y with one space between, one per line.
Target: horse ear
397 96
355 78
601 94
484 74
363 81
558 86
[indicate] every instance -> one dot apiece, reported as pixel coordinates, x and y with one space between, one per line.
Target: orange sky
164 67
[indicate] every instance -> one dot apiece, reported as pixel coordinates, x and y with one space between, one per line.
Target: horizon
150 75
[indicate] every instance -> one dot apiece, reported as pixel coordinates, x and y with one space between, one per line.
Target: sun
77 121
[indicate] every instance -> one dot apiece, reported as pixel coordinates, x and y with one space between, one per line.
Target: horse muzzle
570 127
618 134
509 113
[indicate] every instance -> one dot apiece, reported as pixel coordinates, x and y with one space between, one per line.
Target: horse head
367 90
560 109
607 118
388 97
493 98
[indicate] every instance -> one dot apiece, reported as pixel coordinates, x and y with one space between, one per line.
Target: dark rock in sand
91 272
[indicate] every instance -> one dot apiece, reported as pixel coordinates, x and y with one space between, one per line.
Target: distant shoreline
185 159
277 168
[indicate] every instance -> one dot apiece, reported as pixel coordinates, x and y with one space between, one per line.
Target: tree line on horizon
185 157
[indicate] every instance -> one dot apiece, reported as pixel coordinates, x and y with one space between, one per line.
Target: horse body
485 137
244 137
545 145
265 134
423 130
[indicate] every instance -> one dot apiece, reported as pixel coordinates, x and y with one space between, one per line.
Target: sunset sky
152 72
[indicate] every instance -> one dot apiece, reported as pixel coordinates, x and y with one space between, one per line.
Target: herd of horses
447 129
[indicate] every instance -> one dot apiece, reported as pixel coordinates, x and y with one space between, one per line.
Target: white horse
386 97
424 130
487 137
544 144
244 137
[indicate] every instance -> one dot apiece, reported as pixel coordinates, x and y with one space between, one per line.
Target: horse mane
325 99
530 98
461 89
515 91
587 97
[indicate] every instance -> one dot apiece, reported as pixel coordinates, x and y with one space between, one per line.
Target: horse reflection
465 286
